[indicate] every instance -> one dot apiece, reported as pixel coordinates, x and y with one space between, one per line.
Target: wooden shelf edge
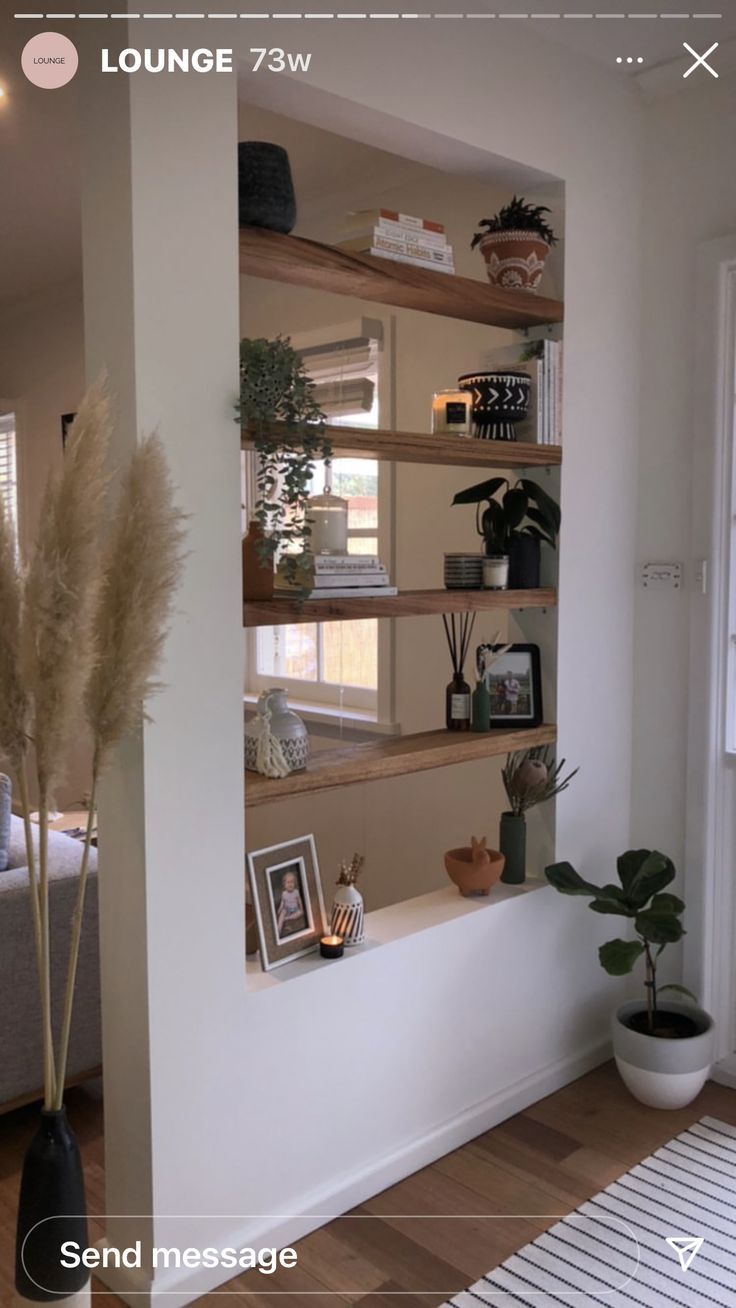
299 262
407 604
349 765
423 447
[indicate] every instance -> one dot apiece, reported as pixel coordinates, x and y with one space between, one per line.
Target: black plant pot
51 1210
524 562
265 189
512 844
500 398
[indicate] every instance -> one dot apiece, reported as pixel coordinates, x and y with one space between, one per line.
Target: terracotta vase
472 876
257 577
514 260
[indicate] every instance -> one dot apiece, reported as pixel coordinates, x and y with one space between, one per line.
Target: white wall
511 994
689 197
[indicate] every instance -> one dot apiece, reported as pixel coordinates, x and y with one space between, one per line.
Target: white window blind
8 468
342 376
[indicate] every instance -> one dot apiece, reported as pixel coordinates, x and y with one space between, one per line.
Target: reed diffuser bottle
457 695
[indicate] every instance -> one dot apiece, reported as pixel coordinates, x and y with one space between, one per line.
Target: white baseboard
724 1072
176 1288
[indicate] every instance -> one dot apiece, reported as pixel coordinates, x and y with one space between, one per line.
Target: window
337 663
8 468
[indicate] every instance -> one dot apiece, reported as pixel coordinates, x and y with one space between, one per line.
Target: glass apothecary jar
328 515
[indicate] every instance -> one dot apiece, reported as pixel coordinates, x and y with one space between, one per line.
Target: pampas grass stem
141 569
55 645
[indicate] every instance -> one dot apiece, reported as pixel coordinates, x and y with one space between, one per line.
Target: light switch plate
662 576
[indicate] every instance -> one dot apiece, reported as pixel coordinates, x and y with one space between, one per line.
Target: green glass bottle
481 707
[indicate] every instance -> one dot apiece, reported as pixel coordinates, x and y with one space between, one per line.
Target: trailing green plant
531 776
643 875
279 407
517 216
523 510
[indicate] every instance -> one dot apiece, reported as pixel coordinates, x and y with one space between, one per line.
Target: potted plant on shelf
515 244
278 407
530 777
663 1051
514 526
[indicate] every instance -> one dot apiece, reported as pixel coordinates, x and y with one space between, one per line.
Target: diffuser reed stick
457 694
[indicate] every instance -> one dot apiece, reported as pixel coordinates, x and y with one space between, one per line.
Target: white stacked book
543 425
342 576
387 234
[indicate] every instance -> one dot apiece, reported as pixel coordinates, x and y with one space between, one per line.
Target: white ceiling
40 238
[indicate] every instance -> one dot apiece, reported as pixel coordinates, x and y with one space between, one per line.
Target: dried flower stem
76 936
141 570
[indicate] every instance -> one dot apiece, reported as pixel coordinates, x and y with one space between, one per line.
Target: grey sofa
21 1059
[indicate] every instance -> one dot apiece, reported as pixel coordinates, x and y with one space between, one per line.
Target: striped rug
613 1249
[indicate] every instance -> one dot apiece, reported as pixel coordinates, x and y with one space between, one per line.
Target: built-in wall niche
404 790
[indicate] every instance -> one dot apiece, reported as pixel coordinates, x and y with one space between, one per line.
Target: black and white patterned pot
500 398
348 917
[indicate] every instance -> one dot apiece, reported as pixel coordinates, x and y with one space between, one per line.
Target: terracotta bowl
472 878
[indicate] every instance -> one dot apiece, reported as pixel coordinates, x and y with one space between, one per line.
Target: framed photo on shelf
287 898
514 683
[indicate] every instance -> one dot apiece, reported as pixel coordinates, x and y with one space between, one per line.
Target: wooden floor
545 1161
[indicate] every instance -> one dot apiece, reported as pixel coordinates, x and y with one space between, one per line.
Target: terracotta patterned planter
514 260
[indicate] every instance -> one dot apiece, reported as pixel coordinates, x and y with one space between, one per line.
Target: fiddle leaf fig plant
641 896
277 405
524 509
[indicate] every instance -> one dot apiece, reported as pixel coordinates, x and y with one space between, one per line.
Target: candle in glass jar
328 515
452 412
332 946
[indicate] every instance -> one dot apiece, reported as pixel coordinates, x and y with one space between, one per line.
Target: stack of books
387 234
543 426
339 576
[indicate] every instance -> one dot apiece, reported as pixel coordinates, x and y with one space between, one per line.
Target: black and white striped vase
348 915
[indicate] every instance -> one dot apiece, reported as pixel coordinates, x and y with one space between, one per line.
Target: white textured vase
348 915
285 725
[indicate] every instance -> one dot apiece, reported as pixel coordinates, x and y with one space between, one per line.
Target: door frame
710 945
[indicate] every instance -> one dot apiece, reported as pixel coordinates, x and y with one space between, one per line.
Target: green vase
481 708
512 843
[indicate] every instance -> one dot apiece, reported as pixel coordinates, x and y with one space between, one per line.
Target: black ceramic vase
524 563
51 1210
512 844
500 398
265 189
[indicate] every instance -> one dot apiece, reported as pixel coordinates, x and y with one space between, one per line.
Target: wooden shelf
350 764
422 447
298 262
408 604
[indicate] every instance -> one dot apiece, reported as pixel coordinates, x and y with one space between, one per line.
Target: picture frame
514 683
287 898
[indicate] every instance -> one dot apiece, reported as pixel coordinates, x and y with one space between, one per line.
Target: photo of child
288 900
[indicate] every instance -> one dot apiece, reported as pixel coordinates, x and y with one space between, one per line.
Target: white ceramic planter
663 1073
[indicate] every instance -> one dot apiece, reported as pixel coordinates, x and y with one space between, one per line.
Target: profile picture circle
49 60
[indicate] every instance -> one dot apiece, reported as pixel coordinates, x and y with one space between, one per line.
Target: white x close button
700 60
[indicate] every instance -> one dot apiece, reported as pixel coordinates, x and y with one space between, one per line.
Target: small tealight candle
332 946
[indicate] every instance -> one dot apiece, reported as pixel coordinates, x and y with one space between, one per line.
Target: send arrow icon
686 1247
